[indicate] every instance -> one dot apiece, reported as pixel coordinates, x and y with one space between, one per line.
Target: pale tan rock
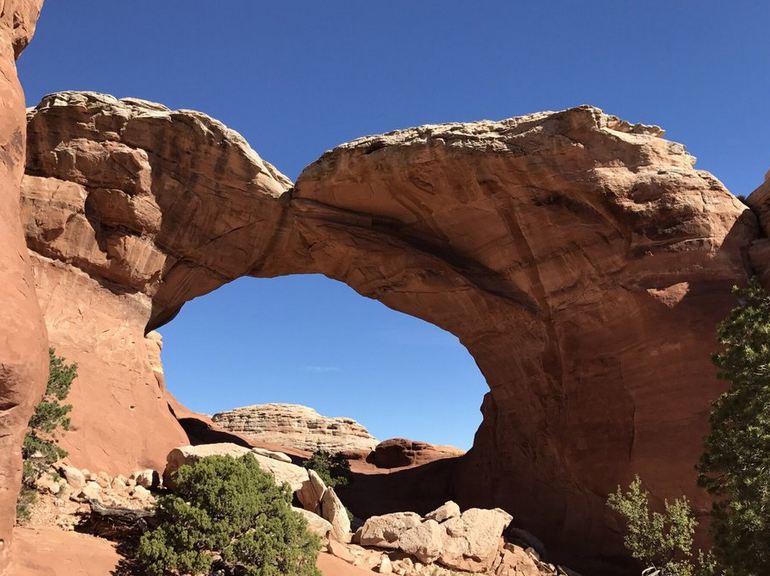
472 541
385 566
295 426
334 511
91 491
191 454
74 477
311 492
119 482
280 456
316 524
103 479
141 493
424 542
444 512
282 472
46 482
341 551
384 531
147 478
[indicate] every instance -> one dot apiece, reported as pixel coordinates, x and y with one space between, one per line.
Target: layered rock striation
295 426
582 260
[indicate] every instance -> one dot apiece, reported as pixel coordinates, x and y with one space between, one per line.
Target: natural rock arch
582 261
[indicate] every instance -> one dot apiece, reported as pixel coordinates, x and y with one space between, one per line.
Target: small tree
662 540
39 450
229 515
334 469
735 466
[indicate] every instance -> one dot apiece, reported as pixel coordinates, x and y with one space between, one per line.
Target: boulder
141 493
341 551
333 510
385 566
283 472
515 561
191 454
74 477
316 524
148 478
311 492
91 491
384 531
444 512
424 542
280 456
400 452
473 540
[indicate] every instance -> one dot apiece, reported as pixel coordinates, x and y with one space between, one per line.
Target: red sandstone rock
23 356
399 452
582 261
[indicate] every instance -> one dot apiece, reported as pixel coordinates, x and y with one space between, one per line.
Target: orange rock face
23 356
582 261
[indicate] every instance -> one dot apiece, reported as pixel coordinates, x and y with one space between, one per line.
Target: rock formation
295 426
447 542
399 452
582 260
23 356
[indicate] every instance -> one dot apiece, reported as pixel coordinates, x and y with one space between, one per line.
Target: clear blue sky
296 78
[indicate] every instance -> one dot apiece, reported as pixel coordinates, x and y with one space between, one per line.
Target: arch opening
309 340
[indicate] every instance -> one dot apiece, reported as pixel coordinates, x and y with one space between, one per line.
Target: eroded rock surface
23 355
295 426
582 260
469 542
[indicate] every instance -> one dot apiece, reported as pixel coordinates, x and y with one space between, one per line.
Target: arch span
582 260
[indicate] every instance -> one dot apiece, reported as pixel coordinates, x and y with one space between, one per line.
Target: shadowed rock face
582 261
23 357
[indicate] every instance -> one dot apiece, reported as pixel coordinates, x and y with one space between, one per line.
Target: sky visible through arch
298 77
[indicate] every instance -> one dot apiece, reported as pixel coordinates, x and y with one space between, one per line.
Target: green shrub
333 469
663 540
39 449
735 466
229 515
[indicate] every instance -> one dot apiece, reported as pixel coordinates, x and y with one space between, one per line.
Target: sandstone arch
582 261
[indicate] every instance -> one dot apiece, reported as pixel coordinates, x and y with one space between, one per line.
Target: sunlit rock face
126 205
296 426
23 355
582 260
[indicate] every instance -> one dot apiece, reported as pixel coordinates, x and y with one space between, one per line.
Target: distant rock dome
296 426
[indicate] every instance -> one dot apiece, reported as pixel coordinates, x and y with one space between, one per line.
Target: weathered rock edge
582 260
23 355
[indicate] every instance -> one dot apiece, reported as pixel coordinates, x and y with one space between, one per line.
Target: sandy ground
54 552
